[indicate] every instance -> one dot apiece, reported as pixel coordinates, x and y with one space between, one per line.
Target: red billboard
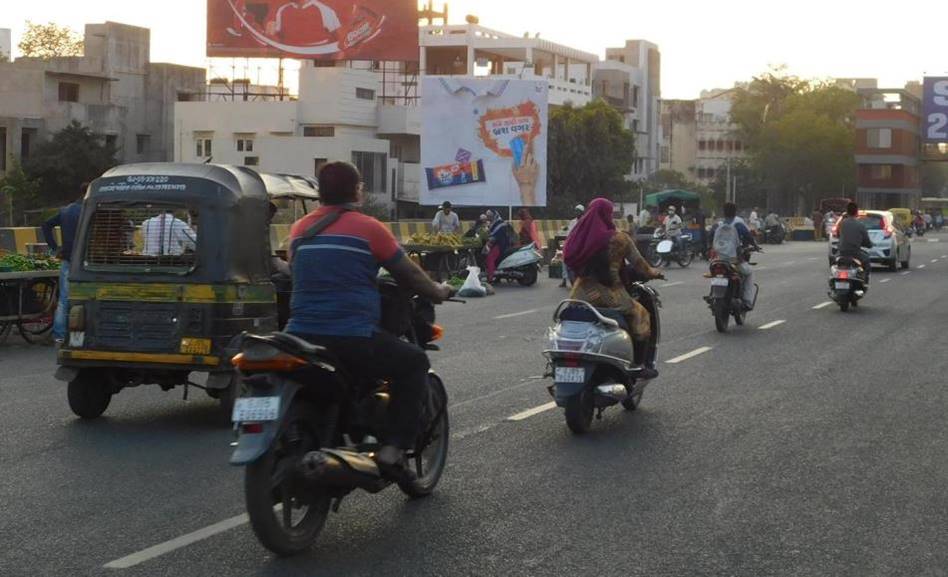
314 29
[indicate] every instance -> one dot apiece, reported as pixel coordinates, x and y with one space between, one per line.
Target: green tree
590 153
801 137
50 41
18 190
74 155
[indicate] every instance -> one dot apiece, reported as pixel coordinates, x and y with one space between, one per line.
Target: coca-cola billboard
314 29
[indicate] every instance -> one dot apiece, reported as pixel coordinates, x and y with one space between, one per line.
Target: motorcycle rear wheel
431 453
529 278
579 412
844 305
274 492
685 258
722 317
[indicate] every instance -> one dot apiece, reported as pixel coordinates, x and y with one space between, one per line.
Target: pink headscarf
591 234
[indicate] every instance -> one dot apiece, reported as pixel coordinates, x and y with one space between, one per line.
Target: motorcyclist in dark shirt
854 239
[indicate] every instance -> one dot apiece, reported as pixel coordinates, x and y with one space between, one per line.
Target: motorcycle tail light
280 363
251 428
842 274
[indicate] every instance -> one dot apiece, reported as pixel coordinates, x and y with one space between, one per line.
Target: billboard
314 29
935 109
483 141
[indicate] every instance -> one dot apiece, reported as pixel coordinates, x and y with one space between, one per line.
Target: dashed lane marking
520 314
769 326
177 543
532 412
934 260
671 284
921 266
686 356
906 273
823 305
885 280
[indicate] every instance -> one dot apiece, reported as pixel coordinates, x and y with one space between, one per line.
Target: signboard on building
314 29
483 141
935 109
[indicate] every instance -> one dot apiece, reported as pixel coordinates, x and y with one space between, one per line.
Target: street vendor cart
28 303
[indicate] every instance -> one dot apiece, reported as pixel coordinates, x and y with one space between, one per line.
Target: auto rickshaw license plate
256 409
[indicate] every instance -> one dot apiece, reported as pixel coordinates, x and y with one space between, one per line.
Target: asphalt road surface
809 442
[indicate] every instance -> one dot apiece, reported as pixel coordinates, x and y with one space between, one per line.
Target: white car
890 245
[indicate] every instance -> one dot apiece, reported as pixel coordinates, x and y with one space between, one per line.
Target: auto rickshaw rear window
142 238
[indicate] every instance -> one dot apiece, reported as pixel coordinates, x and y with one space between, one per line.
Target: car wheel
894 264
907 262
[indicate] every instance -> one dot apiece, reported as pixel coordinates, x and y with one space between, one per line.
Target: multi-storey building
6 45
113 88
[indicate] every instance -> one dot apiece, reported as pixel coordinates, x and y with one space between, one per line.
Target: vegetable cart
28 302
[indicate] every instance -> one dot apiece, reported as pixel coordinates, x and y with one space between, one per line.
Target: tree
74 155
590 153
50 41
801 137
19 191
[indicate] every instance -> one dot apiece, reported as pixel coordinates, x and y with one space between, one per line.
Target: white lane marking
921 266
813 258
520 314
177 543
771 325
885 280
671 284
791 263
934 260
906 273
534 411
823 305
687 356
944 256
934 240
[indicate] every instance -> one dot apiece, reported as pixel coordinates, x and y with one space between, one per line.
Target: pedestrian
446 221
67 219
645 216
817 225
701 221
528 230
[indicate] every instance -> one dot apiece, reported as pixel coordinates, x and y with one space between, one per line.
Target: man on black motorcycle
854 238
730 238
335 255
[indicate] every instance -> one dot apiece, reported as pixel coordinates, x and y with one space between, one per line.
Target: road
809 442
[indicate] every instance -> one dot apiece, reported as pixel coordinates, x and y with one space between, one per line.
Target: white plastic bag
472 287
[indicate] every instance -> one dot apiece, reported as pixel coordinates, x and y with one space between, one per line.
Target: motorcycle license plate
719 281
256 409
842 286
569 375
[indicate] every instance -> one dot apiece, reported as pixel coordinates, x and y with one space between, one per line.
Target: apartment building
6 45
113 88
888 148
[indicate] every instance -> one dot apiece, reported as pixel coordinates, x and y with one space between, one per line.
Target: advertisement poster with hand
484 142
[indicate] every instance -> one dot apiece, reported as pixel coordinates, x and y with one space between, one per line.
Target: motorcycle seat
584 315
295 345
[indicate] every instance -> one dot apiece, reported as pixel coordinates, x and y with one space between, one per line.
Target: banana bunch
440 239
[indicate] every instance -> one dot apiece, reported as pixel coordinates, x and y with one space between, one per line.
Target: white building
630 80
113 88
368 113
6 45
717 143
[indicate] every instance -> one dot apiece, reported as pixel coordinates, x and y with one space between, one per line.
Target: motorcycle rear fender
252 447
719 292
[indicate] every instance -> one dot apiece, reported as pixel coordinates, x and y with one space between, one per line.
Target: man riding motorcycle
335 255
673 227
854 238
730 237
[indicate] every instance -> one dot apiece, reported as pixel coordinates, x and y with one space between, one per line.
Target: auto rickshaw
172 262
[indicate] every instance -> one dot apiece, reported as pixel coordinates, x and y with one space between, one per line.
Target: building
679 150
6 45
888 148
630 80
368 112
113 88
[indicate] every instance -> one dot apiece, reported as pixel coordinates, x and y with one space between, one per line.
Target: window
372 167
318 164
635 96
3 149
710 173
141 238
635 125
251 161
244 145
879 137
702 144
141 144
701 173
738 146
68 92
880 171
26 142
111 141
365 94
203 148
665 154
319 131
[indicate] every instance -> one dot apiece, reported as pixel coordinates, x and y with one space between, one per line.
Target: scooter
664 250
847 284
589 354
522 266
725 300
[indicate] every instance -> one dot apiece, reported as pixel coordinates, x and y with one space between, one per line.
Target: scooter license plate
842 286
719 281
256 409
570 375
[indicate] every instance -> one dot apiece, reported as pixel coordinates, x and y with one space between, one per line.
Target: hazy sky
704 44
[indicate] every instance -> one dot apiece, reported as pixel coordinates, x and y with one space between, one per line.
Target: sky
704 43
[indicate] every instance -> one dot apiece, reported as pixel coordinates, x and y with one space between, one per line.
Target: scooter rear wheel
579 412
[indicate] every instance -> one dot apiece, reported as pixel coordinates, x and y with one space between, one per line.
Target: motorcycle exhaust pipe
342 469
615 392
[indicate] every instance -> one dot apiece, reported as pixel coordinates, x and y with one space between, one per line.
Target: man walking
67 219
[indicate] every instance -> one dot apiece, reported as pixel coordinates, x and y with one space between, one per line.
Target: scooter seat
584 315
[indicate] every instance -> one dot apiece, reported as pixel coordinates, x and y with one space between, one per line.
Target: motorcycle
664 250
727 287
522 266
847 284
588 357
774 234
308 431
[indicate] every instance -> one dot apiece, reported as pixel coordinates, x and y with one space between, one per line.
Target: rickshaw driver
335 255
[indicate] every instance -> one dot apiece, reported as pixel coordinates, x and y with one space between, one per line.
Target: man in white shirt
446 221
644 217
166 234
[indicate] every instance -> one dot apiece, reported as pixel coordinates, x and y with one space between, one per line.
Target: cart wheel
45 295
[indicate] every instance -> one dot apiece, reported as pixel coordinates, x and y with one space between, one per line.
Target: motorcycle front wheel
685 258
286 514
654 258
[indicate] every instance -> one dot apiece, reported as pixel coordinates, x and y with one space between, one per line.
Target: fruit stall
28 295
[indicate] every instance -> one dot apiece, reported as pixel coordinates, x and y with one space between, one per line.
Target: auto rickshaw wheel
89 394
227 397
